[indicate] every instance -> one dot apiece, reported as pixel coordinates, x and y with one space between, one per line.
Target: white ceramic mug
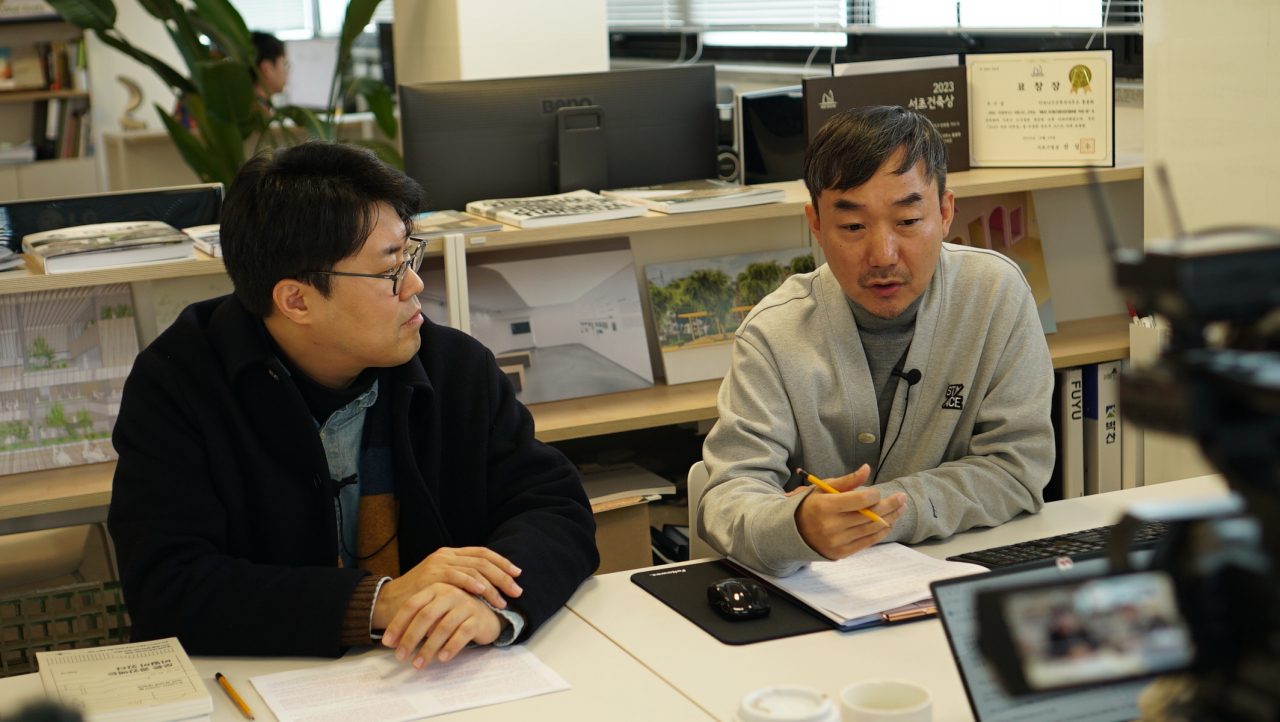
786 703
886 700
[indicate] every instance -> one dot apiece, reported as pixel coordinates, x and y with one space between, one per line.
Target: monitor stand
582 161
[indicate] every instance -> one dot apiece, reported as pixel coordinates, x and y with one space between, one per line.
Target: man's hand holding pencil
838 519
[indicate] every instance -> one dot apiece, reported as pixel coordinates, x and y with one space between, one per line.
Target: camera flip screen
1105 629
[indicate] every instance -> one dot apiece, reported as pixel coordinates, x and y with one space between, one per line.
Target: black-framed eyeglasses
414 261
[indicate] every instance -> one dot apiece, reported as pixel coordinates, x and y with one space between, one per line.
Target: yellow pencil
244 708
831 490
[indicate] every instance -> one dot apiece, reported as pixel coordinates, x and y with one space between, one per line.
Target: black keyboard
1090 542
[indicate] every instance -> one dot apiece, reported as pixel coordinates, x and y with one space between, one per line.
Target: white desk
630 657
716 676
603 676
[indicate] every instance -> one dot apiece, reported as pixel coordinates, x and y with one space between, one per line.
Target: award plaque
1053 109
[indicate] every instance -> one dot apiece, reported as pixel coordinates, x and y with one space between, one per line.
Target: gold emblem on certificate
1080 77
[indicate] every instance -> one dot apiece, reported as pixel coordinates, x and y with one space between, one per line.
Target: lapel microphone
912 377
340 484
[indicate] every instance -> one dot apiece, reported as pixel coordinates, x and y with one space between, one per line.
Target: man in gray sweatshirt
910 373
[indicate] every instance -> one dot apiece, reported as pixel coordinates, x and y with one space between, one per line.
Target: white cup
886 700
787 704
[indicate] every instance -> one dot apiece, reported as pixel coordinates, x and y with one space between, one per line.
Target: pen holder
1145 345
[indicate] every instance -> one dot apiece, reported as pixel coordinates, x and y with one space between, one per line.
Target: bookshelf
967 184
21 96
47 177
78 493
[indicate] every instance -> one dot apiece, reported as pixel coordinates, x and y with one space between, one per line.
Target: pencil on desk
824 486
244 708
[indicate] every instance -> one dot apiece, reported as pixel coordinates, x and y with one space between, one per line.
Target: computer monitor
479 139
180 207
771 137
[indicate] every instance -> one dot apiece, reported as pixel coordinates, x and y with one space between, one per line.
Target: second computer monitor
479 139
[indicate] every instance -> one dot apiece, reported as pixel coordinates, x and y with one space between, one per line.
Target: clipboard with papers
884 584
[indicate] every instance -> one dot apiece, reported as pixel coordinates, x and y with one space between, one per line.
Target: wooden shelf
1090 341
18 96
1084 341
967 184
626 411
983 181
86 490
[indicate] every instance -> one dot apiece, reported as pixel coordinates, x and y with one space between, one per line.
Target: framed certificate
1041 109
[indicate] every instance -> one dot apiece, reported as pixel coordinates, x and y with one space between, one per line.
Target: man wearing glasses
309 461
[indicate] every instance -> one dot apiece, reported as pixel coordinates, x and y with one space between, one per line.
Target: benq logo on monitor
550 106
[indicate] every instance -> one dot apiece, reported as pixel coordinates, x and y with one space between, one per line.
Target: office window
521 327
721 13
830 14
333 11
286 19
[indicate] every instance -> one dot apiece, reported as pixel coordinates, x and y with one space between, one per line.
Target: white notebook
855 590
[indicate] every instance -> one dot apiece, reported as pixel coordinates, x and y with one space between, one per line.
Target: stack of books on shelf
556 210
206 238
60 127
107 245
1089 431
698 195
441 223
11 262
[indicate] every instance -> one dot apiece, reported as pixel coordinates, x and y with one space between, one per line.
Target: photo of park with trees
699 304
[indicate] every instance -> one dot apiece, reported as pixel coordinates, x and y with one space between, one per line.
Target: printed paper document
869 582
385 689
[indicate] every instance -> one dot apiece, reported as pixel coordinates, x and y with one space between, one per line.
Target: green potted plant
218 92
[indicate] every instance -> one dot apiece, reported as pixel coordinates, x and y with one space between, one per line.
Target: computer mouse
738 599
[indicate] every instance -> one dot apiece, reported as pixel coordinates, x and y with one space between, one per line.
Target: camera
1207 604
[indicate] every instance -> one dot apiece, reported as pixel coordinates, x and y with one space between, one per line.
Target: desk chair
36 556
698 548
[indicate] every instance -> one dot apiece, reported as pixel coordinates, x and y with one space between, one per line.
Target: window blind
286 19
728 13
694 14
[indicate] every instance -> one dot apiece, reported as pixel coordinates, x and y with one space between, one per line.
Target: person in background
273 66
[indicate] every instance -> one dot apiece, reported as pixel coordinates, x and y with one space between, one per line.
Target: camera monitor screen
1117 627
957 601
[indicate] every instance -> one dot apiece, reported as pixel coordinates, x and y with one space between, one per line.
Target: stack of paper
604 484
855 590
142 682
380 688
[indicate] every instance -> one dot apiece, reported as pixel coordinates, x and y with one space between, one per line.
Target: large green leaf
306 119
381 148
175 79
223 140
195 154
87 14
224 41
226 18
359 13
161 9
227 90
378 96
187 41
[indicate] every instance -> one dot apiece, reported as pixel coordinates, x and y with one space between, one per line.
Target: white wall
478 39
105 63
1212 96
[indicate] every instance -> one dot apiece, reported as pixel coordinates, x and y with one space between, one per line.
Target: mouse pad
684 589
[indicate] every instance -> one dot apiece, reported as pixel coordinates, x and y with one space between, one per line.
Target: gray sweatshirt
976 443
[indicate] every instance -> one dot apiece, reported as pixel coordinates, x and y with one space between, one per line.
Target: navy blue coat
222 506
